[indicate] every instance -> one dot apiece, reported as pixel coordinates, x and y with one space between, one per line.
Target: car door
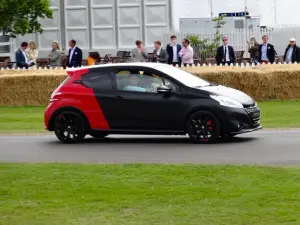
101 81
146 110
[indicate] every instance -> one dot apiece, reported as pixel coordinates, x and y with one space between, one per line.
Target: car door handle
119 97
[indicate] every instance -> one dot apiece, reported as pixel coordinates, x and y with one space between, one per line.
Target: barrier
33 87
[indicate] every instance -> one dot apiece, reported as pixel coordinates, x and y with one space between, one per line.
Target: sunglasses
225 39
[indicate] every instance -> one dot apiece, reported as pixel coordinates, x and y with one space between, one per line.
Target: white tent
271 12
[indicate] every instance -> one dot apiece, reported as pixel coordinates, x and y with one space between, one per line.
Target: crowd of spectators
174 54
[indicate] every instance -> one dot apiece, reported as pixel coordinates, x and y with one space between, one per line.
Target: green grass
275 114
38 194
21 119
278 114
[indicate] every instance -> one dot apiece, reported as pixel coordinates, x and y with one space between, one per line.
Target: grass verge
275 114
280 114
21 119
39 194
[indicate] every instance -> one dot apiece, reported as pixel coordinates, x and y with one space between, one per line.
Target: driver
133 84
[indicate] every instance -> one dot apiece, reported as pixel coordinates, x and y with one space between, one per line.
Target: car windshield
184 77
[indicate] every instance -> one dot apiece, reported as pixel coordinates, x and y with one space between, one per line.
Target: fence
278 36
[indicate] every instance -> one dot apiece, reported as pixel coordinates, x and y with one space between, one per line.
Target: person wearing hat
292 52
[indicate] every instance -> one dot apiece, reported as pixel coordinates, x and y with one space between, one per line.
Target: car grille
254 114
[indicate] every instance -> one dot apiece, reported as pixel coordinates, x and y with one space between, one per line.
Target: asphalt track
266 147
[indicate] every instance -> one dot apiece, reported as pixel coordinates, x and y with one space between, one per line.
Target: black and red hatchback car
147 98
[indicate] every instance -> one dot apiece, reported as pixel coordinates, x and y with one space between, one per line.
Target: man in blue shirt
266 51
292 52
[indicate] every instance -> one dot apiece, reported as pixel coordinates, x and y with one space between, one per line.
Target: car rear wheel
203 127
69 127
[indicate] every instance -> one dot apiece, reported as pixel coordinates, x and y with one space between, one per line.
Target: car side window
171 85
121 79
138 80
98 80
151 81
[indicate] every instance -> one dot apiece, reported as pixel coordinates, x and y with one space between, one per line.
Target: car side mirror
163 90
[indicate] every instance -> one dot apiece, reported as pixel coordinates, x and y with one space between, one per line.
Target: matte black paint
156 113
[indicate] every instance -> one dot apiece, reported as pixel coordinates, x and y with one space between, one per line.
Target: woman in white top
32 52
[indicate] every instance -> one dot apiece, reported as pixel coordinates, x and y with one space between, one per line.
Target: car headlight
228 102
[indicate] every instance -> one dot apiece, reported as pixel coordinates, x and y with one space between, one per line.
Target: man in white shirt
21 57
75 55
173 50
225 53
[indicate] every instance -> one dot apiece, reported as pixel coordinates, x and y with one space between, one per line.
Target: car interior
147 81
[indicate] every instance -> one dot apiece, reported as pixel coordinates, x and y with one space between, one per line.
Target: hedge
265 82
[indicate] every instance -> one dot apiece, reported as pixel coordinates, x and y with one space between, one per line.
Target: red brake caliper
210 124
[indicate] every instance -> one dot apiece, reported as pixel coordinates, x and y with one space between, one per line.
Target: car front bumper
242 131
238 121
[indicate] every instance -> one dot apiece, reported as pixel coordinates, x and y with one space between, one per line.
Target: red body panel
76 95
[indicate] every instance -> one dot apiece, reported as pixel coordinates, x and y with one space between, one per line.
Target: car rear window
97 80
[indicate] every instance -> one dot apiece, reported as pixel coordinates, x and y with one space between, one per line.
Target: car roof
138 64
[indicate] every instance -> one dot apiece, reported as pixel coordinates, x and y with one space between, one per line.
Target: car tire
99 135
69 127
203 127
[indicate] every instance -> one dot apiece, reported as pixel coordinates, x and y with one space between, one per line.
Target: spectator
292 52
54 55
32 52
187 53
160 55
22 58
139 54
173 50
253 49
225 53
75 55
94 58
266 51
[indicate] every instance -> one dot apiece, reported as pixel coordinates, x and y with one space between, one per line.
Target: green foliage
196 43
219 24
203 47
20 17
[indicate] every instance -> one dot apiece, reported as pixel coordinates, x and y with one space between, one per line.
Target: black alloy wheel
203 127
69 127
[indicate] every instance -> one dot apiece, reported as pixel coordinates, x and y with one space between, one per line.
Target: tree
20 17
217 36
203 47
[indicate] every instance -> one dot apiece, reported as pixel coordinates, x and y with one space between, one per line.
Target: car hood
234 94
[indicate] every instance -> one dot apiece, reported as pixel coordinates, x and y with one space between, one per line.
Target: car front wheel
69 127
203 127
